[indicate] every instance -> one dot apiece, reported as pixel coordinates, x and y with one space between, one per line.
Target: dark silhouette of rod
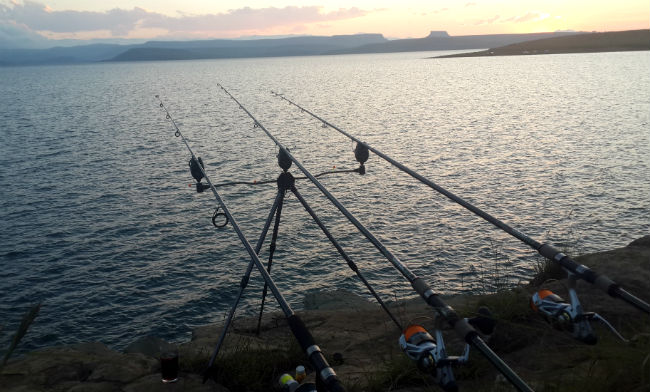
345 256
460 325
546 250
298 328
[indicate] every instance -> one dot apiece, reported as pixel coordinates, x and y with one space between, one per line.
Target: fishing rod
343 254
546 250
298 328
462 327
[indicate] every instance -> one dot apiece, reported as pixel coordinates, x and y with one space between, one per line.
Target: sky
35 23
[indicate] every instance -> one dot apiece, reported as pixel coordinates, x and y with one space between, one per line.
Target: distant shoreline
619 41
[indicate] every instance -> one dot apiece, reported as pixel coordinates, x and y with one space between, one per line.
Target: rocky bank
366 339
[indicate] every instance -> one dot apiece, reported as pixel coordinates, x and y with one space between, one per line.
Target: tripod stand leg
244 282
276 227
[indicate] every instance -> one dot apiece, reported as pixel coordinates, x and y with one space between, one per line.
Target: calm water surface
97 221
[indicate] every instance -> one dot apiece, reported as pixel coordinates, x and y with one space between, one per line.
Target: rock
335 300
151 346
641 242
94 362
123 369
186 383
95 387
348 324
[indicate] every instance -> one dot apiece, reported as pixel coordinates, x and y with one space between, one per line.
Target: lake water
98 222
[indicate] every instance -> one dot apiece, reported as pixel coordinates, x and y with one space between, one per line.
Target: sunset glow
147 19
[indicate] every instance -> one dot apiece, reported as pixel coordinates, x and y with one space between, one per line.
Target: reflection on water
99 224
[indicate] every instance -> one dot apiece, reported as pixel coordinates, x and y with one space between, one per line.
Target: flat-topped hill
579 43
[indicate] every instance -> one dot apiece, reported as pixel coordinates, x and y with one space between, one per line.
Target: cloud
120 22
13 35
39 17
530 16
488 21
249 19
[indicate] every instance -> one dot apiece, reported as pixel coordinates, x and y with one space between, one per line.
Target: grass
488 278
247 368
398 372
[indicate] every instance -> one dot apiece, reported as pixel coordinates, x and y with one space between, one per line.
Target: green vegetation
398 372
248 368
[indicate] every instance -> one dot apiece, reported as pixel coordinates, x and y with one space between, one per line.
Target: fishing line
546 250
461 326
264 182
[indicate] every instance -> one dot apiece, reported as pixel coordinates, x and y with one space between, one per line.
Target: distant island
617 41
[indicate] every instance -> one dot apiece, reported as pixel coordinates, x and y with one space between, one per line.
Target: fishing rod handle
464 329
316 357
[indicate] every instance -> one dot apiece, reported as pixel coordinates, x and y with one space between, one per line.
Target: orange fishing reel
568 316
431 356
430 353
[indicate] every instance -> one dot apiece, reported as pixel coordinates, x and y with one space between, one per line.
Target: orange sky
395 19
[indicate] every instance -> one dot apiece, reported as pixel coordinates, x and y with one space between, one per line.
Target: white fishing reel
431 355
568 316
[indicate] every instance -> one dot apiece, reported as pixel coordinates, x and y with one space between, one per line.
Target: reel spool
553 308
431 356
568 316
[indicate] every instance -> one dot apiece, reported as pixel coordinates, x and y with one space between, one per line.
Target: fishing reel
568 316
430 354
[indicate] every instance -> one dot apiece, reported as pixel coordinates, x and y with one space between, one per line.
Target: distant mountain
214 49
577 43
269 47
60 55
187 50
308 46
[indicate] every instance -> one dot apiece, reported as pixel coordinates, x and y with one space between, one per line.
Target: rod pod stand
285 182
298 328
